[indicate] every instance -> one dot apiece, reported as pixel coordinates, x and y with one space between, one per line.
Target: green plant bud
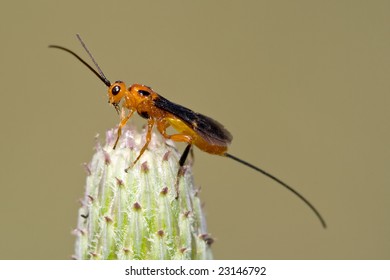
135 215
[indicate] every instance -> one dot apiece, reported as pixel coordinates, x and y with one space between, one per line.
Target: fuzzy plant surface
135 215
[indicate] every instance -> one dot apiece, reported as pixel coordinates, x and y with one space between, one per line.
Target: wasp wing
209 129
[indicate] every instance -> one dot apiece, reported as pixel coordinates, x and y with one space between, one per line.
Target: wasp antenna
281 183
102 76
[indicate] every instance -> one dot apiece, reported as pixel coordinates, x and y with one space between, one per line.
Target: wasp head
116 92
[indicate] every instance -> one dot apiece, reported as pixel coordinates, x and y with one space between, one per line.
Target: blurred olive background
302 85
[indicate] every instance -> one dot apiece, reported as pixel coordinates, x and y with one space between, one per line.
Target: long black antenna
281 183
98 73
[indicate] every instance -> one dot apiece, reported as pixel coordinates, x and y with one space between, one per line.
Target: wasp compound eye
115 90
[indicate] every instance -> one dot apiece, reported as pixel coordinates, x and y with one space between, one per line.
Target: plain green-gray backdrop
302 85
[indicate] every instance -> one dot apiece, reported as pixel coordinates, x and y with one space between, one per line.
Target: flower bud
136 215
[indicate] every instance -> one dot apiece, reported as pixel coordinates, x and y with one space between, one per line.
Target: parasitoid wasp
193 128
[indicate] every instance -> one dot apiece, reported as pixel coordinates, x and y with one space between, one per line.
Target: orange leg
162 127
123 122
148 138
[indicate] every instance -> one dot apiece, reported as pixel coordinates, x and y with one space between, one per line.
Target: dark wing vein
209 129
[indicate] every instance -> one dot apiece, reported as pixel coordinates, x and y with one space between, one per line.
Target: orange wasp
193 128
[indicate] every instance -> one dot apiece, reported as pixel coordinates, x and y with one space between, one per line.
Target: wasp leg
181 170
185 155
123 122
148 138
162 127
